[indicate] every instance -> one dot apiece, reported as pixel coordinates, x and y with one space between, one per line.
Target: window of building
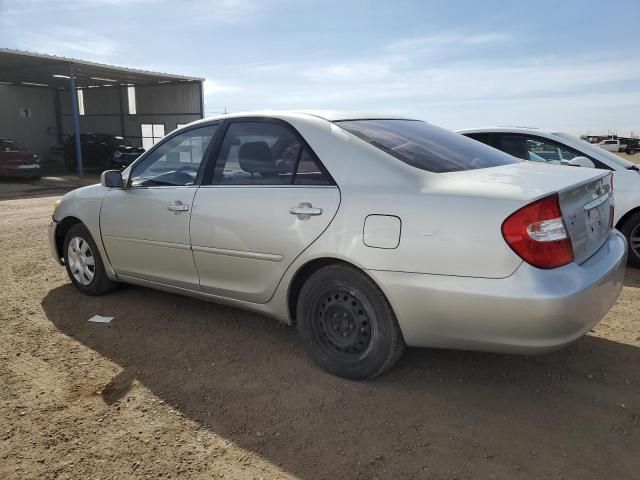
81 102
131 97
151 133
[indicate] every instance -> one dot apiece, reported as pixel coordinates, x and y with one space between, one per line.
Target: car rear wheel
84 264
347 325
631 230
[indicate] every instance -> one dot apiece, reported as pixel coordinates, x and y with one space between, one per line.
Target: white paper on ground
100 319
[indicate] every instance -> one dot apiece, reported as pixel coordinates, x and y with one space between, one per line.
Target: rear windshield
425 146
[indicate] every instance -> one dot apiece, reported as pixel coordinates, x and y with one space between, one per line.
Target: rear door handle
177 207
305 210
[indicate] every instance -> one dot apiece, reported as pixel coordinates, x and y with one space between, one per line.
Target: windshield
591 149
425 146
11 145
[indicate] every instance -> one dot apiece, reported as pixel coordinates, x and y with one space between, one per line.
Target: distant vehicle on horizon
101 151
17 161
610 145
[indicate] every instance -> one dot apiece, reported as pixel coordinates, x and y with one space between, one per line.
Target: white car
611 145
561 148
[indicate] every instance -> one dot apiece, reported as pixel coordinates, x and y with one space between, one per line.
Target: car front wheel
84 264
347 325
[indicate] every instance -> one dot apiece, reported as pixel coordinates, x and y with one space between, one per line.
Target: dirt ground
176 387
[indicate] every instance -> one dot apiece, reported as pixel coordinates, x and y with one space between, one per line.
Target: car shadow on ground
246 378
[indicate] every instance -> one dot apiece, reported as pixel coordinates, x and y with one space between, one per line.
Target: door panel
244 237
145 227
144 239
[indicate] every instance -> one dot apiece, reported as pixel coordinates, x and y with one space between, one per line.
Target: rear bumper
531 311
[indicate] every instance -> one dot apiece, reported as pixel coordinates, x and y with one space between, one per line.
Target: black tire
347 325
632 226
100 283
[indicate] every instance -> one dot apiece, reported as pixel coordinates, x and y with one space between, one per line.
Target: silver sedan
367 234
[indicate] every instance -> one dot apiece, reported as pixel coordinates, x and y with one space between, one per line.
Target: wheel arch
305 271
626 216
61 232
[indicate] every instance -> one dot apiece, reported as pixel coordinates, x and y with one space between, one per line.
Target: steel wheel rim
342 326
634 240
82 263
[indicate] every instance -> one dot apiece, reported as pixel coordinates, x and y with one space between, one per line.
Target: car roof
328 115
503 129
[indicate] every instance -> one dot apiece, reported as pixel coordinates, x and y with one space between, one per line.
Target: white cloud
412 77
198 11
212 88
348 72
71 42
428 43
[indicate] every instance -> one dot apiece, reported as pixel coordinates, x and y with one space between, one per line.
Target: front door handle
305 210
177 207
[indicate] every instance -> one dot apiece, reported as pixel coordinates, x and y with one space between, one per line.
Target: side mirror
112 179
581 162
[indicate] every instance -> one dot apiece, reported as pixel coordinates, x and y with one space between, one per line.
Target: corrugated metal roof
20 67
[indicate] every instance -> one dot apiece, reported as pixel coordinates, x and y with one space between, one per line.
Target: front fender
84 204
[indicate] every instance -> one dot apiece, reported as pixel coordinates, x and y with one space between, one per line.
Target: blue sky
565 65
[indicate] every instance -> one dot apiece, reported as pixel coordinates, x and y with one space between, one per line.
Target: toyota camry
366 233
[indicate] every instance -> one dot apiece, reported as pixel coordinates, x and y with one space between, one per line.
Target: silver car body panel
144 239
532 311
446 266
244 237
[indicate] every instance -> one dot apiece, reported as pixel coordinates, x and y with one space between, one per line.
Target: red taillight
538 235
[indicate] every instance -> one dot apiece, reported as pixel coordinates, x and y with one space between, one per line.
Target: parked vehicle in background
17 161
365 233
629 145
610 145
561 148
100 152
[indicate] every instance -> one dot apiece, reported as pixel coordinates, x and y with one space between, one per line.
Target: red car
15 160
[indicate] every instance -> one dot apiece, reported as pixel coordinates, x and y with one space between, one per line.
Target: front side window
264 153
176 162
425 146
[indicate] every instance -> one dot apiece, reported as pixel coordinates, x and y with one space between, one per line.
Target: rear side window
425 146
308 172
265 153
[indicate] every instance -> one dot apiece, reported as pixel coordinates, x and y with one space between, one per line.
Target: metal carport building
37 110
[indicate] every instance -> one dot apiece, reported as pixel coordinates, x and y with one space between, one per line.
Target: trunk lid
586 209
584 193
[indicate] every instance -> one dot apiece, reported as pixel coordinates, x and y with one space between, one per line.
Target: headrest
255 157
